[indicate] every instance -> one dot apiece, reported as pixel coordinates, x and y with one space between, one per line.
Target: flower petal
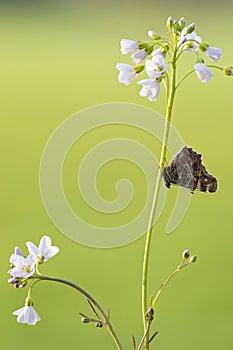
128 46
17 312
45 243
32 248
214 53
31 316
139 56
51 252
203 72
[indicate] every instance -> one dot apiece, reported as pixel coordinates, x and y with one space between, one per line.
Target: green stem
214 66
107 323
184 77
181 266
156 193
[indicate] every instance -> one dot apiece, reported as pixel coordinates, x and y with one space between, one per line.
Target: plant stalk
156 194
181 266
107 323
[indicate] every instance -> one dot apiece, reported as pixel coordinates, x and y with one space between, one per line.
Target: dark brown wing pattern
186 170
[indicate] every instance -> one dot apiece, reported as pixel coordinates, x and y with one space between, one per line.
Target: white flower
127 73
27 314
44 251
150 89
139 56
203 72
158 52
191 37
213 53
128 46
22 267
156 67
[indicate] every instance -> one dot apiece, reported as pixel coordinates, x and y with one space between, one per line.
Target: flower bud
186 254
12 280
17 282
193 259
228 71
85 320
153 35
20 284
182 22
99 325
169 23
176 26
150 314
191 28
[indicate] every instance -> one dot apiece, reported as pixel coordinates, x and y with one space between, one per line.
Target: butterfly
186 170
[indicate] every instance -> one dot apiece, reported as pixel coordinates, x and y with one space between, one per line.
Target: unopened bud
228 71
99 325
191 28
153 35
169 23
176 26
182 23
150 314
186 254
85 320
193 259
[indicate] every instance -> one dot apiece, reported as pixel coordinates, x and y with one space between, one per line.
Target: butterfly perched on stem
186 170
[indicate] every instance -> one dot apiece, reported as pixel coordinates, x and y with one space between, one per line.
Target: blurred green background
58 57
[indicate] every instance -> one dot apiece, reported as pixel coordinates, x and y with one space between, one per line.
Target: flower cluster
151 56
24 268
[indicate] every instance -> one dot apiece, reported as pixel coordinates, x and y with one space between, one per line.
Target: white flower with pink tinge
27 314
128 46
127 73
22 267
44 251
156 67
203 72
214 53
150 89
